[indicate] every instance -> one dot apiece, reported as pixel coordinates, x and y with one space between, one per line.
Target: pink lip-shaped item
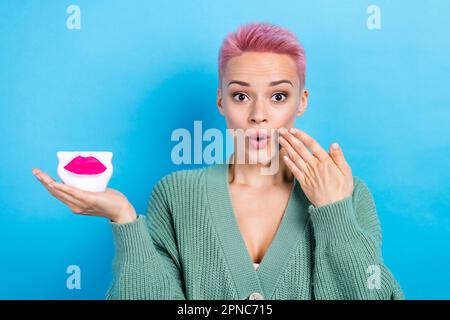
85 165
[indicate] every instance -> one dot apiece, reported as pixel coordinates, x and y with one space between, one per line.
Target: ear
303 103
219 101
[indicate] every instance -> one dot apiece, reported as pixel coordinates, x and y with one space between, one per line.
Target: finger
42 176
337 155
299 147
80 196
311 143
77 210
294 169
293 155
74 204
65 198
83 199
48 182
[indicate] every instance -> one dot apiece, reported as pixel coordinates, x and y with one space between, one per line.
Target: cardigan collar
290 231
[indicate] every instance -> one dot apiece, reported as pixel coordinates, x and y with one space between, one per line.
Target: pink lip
255 144
259 140
259 133
85 165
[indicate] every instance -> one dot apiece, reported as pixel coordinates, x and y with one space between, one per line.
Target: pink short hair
262 37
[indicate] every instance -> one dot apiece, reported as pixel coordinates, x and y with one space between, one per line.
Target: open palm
111 204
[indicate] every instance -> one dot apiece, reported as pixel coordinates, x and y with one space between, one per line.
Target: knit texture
188 246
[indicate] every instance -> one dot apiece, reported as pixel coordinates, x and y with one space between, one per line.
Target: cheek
235 120
284 117
235 116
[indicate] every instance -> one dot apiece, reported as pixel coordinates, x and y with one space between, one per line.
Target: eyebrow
273 83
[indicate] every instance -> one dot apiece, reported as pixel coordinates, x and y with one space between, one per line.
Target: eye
240 97
279 97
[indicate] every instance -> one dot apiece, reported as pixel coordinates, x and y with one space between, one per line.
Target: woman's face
260 91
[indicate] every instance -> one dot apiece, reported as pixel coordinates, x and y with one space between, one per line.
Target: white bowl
88 176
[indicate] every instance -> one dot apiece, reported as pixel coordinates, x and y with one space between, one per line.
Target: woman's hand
325 178
110 204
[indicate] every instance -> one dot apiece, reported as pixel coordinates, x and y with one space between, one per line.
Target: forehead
261 67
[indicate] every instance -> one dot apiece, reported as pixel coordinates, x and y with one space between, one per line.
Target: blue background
137 70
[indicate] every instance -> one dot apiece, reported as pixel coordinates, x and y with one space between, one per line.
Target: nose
258 113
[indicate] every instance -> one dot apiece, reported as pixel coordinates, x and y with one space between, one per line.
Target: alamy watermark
73 281
374 19
73 21
210 146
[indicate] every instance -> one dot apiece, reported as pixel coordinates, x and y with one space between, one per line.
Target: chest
259 213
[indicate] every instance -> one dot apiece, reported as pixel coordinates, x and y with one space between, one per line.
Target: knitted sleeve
146 263
347 262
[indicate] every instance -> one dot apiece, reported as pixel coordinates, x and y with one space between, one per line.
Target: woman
309 230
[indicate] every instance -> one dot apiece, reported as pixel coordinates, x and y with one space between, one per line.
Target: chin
261 156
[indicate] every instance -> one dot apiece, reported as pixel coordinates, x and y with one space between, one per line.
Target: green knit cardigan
189 246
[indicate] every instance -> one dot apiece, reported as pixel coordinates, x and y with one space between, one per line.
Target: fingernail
51 185
292 130
335 146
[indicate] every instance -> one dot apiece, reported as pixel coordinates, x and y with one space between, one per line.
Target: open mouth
85 165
